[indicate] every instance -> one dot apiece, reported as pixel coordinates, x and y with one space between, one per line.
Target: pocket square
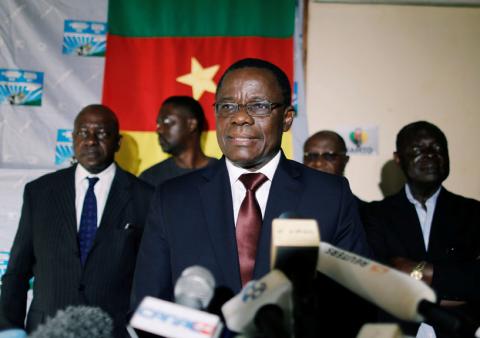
128 226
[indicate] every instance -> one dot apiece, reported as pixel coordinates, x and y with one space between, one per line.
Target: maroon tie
249 222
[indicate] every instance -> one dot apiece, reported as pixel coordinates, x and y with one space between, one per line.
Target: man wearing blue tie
79 232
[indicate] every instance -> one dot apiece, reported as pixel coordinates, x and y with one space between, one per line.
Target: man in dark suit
425 230
57 241
199 218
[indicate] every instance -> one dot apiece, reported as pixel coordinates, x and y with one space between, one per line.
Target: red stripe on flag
140 73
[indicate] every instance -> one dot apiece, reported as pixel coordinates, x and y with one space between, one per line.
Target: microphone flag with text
193 291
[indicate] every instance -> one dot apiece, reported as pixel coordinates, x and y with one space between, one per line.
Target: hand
406 265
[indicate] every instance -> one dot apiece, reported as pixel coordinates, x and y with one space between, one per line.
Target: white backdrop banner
51 65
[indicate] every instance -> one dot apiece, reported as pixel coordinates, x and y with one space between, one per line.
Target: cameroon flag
160 48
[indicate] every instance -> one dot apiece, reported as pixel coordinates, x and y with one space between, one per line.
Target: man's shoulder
312 176
455 200
132 179
52 178
158 167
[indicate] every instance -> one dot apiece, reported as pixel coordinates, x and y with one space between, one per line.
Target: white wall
388 66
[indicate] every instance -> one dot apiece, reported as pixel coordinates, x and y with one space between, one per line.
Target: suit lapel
407 226
118 197
217 204
64 202
442 231
285 194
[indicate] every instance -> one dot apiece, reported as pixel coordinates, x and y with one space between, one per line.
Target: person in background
425 230
79 232
180 123
326 151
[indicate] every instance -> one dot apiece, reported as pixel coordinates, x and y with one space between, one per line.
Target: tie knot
253 181
92 181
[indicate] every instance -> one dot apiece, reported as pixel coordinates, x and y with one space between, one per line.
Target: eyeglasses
100 134
262 108
328 157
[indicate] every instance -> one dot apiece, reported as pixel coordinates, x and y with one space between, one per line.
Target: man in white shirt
425 230
220 217
79 232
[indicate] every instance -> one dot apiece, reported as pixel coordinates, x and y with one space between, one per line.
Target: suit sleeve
152 272
374 225
15 281
350 234
457 281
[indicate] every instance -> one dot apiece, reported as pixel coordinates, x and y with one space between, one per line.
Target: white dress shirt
101 189
239 191
424 212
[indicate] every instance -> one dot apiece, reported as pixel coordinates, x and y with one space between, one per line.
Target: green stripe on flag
207 18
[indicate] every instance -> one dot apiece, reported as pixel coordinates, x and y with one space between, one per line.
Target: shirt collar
81 173
268 169
432 200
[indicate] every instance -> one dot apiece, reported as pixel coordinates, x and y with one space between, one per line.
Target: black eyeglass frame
326 156
249 108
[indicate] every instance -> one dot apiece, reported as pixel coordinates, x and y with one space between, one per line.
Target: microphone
389 289
193 292
76 322
195 287
294 251
393 291
270 322
172 320
294 241
273 288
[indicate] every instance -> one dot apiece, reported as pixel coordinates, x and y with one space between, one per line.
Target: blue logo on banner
84 38
21 87
64 147
4 256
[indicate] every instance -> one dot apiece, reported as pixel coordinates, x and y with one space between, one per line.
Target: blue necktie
88 220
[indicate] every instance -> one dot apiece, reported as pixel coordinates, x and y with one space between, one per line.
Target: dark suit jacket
393 229
46 247
191 222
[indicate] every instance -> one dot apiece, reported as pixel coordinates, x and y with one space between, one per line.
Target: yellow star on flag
200 79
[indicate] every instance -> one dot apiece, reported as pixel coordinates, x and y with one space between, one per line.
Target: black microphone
295 247
221 295
270 322
447 321
76 322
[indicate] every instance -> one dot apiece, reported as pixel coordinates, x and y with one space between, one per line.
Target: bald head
326 151
95 137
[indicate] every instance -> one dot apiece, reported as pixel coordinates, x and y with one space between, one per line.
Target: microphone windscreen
195 287
76 322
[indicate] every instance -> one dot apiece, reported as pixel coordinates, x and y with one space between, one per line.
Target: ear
192 124
396 158
119 142
288 116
